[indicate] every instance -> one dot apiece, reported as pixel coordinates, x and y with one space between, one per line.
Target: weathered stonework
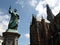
43 33
10 38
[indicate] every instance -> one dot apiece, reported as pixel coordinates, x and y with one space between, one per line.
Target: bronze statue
13 23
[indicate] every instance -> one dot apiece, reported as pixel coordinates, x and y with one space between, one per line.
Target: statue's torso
14 19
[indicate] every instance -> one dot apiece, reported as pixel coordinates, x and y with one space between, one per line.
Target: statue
13 23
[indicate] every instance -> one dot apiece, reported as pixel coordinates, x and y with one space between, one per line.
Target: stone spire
33 19
50 15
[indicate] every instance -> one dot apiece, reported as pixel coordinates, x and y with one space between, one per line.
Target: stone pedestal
10 38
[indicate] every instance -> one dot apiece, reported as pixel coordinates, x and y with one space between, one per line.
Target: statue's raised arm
10 11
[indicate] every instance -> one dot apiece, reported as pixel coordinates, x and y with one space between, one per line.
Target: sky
25 10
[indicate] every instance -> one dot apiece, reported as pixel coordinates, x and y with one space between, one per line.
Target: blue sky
25 10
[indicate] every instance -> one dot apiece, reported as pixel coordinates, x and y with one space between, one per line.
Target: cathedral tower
38 32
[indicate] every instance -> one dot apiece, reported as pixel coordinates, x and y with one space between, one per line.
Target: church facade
43 33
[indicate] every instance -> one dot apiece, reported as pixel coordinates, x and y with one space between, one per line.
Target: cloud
27 35
20 2
23 3
41 8
52 3
33 2
4 19
1 12
56 9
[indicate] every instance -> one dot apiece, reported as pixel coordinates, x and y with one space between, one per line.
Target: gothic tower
43 33
38 32
33 32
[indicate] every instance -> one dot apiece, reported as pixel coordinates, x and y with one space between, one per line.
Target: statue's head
15 10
